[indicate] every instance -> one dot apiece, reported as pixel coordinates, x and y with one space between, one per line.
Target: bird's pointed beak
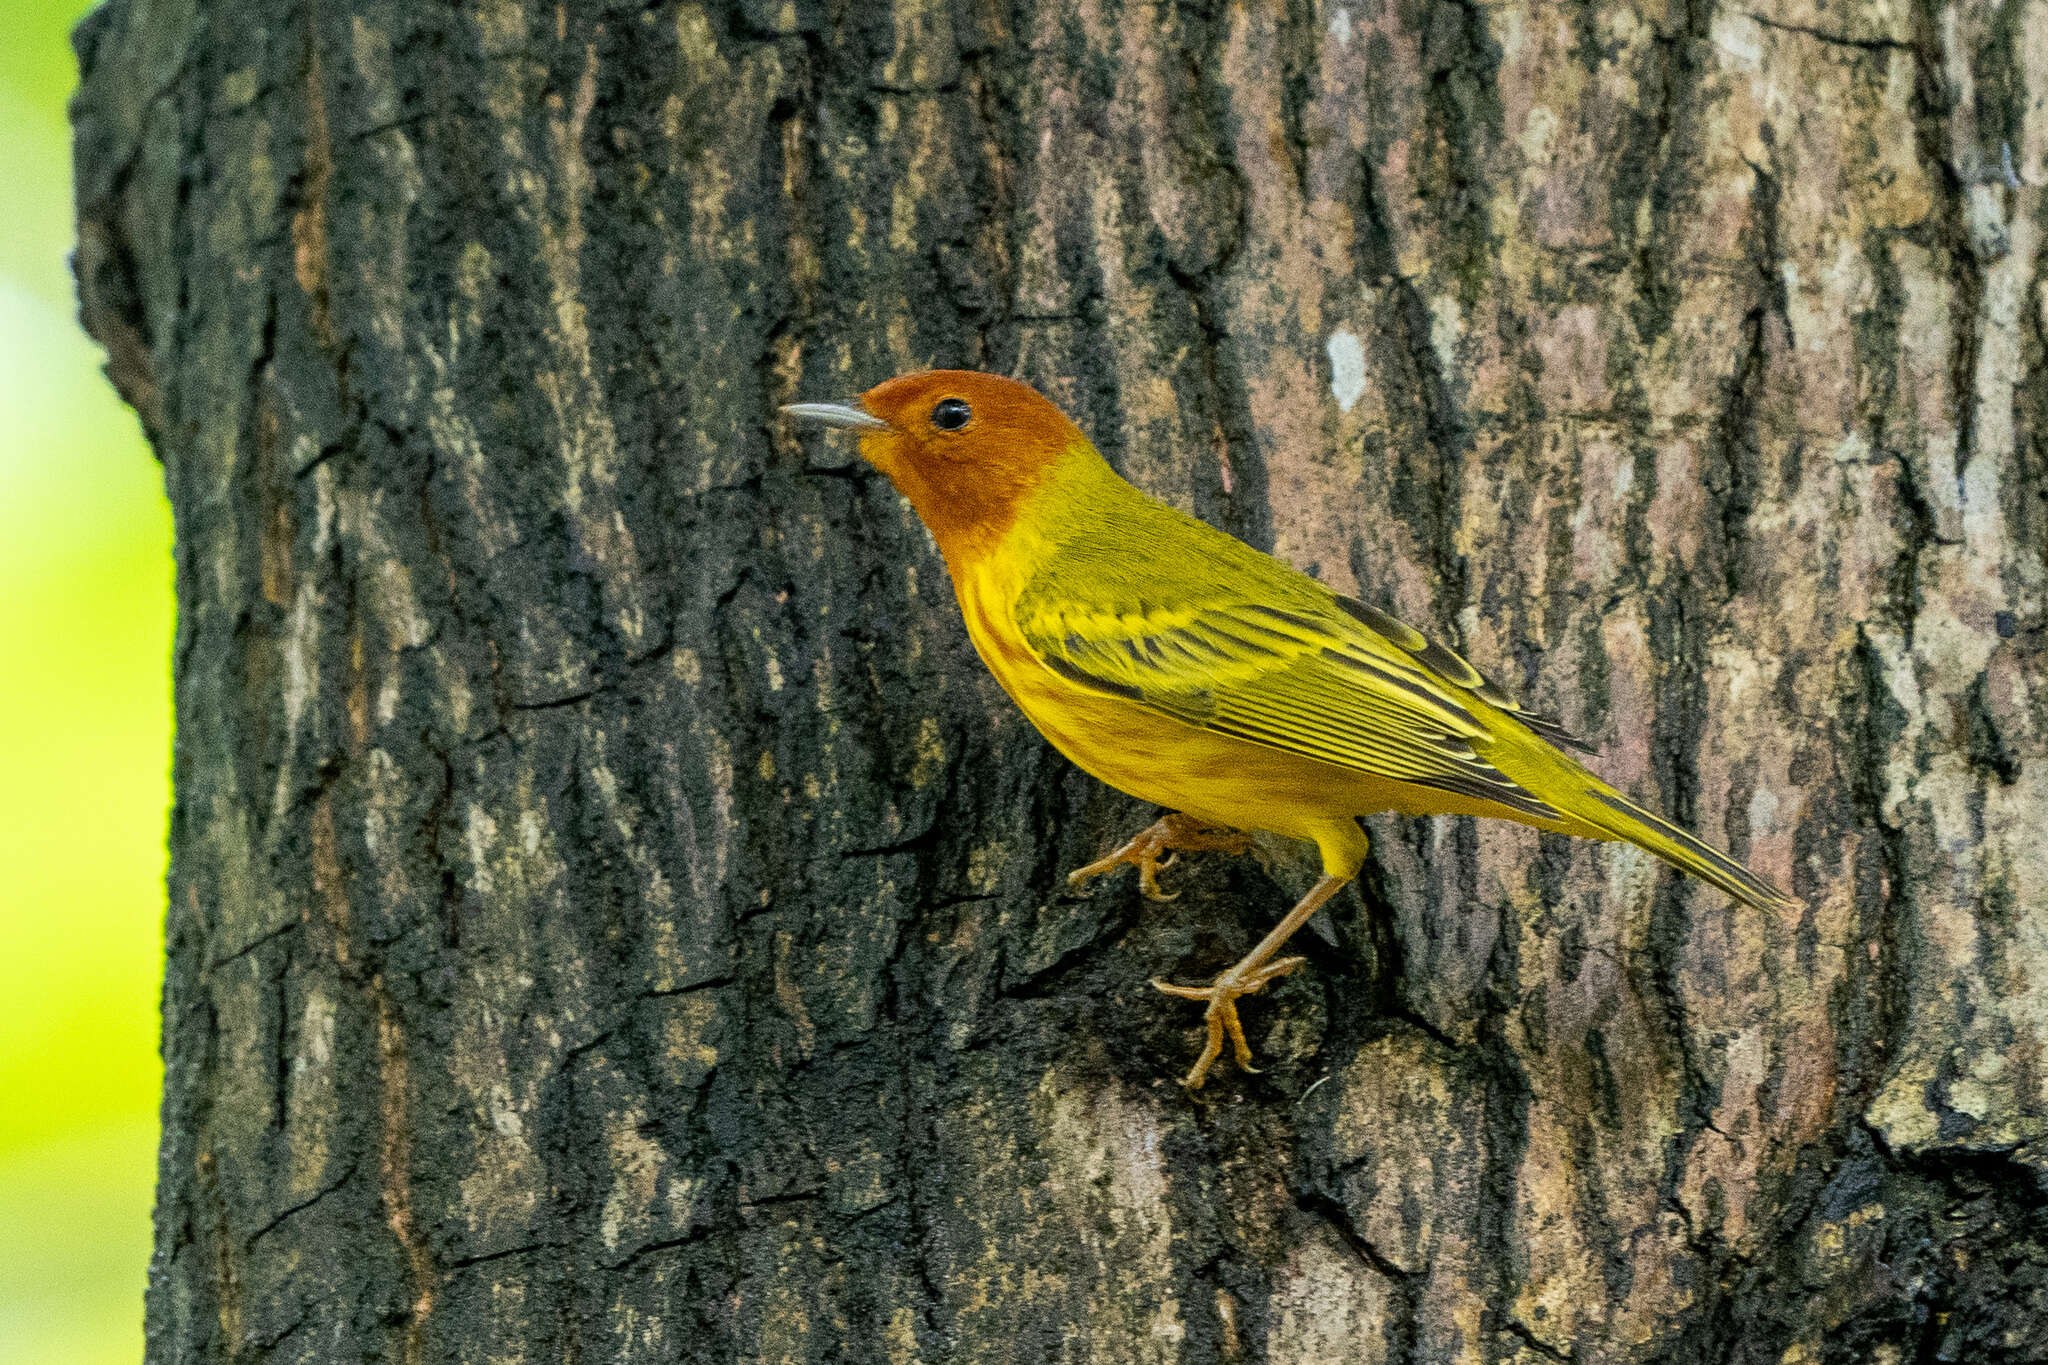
848 415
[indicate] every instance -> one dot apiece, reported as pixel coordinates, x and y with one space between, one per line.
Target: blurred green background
85 637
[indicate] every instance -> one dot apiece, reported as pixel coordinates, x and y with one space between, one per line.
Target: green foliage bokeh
85 636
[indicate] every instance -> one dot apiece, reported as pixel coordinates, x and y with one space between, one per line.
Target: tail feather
1623 819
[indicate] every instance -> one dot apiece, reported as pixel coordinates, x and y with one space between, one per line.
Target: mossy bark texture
613 917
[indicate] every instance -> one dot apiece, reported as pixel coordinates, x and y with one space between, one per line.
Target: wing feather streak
1320 676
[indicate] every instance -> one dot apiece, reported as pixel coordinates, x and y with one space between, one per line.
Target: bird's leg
1167 833
1248 977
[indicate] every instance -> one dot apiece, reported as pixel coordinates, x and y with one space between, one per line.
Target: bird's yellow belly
1211 777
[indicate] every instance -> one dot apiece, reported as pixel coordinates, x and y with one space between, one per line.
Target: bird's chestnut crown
964 414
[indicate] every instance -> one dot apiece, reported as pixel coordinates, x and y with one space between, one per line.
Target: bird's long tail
1618 817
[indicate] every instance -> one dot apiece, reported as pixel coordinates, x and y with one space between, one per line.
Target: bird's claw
1148 880
1143 850
1222 996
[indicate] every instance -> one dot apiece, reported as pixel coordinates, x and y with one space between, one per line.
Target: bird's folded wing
1332 680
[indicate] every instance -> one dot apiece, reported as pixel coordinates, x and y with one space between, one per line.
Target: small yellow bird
1186 668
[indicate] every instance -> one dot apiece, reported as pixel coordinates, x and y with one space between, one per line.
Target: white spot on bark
323 509
1446 331
400 610
1347 368
1763 810
316 1032
482 830
1740 38
1985 214
505 1120
1539 135
302 646
385 790
1631 875
1340 26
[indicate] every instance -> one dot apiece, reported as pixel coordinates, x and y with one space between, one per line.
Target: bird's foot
1221 1016
1167 833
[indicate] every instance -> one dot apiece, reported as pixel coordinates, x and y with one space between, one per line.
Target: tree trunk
613 916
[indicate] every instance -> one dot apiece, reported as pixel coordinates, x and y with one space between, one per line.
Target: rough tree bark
613 916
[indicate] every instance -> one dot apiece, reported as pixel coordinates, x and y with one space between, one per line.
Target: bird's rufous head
968 449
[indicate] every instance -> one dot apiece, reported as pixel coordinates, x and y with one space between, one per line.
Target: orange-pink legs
1250 975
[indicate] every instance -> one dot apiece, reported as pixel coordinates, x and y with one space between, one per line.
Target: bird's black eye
951 414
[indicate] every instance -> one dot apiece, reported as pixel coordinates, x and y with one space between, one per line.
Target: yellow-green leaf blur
85 631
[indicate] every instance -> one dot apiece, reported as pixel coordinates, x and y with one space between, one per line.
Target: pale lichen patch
930 752
1347 368
641 1181
1104 1164
1326 1306
314 1097
481 831
687 1049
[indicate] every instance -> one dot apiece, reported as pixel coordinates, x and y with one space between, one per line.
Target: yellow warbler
1186 668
